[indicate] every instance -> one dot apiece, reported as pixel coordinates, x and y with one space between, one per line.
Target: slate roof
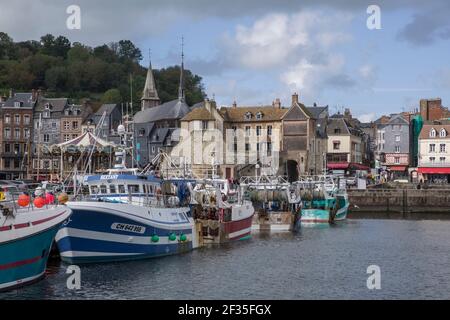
25 98
175 109
236 114
321 128
108 108
159 135
337 123
57 104
317 111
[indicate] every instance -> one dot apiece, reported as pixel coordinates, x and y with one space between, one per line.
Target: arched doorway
292 170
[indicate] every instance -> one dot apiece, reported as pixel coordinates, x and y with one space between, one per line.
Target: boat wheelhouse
324 199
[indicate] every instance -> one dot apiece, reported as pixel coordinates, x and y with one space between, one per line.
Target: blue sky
255 51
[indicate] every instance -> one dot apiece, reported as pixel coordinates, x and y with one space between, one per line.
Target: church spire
150 94
181 95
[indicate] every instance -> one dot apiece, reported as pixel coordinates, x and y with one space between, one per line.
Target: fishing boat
26 236
276 202
220 211
324 199
127 216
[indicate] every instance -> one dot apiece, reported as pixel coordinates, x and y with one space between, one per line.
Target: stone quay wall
400 203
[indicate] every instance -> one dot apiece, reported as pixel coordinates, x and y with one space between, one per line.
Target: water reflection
317 262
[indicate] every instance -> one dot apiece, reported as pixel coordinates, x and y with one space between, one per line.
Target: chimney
277 103
347 113
33 95
295 98
11 93
234 104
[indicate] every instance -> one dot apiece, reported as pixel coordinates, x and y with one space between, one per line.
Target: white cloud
368 117
300 49
366 71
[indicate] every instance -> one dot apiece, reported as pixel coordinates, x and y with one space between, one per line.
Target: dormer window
46 114
17 104
142 132
432 133
67 112
48 107
248 116
259 115
443 133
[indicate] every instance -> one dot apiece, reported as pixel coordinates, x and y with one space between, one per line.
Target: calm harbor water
327 262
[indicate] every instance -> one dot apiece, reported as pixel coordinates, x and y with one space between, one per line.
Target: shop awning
337 165
358 166
397 168
434 170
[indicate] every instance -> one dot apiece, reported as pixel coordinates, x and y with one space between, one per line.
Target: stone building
345 146
17 123
253 136
304 139
202 140
72 118
46 133
393 146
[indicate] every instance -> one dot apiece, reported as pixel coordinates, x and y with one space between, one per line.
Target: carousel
86 154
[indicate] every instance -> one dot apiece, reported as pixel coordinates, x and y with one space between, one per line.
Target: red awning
358 166
434 170
397 168
337 165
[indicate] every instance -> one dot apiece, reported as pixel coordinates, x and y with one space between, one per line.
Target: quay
401 202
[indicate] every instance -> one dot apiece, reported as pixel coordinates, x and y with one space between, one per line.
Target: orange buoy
23 200
63 198
39 202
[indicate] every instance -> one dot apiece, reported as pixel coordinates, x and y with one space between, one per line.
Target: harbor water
321 262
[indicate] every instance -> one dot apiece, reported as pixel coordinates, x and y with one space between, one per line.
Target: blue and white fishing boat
127 216
324 199
26 237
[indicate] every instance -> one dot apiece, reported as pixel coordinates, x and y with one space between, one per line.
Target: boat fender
172 237
155 238
183 237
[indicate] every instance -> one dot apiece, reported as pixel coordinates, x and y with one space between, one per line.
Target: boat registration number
128 227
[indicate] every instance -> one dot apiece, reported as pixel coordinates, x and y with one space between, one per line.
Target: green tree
112 96
78 52
57 47
105 53
127 50
168 80
56 78
7 47
20 77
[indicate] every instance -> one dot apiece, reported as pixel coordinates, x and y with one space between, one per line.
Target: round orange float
23 200
39 202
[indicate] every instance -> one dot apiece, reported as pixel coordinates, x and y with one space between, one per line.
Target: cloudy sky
254 51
